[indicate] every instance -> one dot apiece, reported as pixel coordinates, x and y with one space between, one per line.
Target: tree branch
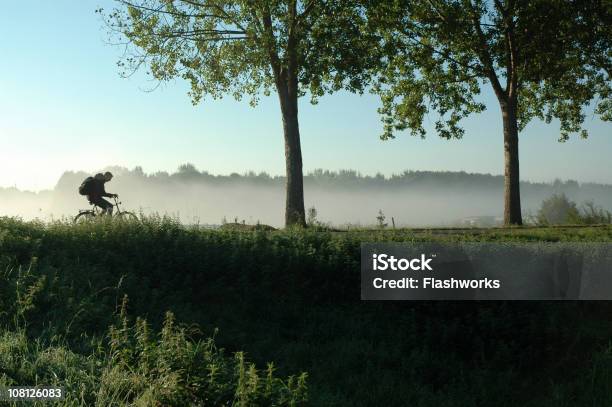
291 46
307 9
411 34
172 13
513 79
485 56
270 44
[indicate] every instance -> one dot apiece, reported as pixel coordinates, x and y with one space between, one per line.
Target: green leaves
554 58
203 43
425 68
225 47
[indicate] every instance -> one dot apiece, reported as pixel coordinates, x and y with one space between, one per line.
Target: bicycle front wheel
87 216
128 216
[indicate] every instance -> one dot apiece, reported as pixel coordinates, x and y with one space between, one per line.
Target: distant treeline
343 179
341 197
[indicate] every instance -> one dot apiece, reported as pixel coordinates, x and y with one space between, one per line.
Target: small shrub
170 369
559 210
381 219
590 214
311 216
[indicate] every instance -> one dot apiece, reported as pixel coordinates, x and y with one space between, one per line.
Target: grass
137 367
290 296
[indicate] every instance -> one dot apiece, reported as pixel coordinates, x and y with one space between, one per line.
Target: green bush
590 214
559 210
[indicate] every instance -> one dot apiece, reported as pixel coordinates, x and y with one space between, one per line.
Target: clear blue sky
63 106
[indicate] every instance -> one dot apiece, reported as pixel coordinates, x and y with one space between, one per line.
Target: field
73 300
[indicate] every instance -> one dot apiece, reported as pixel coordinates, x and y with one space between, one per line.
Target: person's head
107 176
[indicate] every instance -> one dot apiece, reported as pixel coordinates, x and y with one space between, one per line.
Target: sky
63 106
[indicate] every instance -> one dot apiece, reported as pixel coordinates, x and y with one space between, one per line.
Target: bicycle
90 214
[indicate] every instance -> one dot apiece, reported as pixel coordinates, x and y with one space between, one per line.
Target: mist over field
413 198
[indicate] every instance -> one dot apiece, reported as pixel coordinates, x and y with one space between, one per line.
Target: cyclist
93 188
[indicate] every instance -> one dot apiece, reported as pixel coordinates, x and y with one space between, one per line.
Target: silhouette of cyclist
94 190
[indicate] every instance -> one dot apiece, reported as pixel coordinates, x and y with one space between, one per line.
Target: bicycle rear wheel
86 216
129 216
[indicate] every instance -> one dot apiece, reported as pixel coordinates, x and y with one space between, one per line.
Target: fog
340 198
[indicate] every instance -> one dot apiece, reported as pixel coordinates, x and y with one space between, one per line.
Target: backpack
86 186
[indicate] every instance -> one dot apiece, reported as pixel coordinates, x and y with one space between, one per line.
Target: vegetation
380 219
424 198
291 296
92 307
249 48
134 366
543 59
311 217
559 210
446 181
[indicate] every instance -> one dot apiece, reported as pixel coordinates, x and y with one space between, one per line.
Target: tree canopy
248 48
234 47
555 58
546 59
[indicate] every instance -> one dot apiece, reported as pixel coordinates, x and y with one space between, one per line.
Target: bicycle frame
97 211
117 203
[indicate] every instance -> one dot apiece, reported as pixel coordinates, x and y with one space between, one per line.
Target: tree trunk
512 194
294 204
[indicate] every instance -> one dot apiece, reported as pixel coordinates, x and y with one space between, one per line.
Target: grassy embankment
287 296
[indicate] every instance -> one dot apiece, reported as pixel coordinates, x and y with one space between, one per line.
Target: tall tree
249 47
546 59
